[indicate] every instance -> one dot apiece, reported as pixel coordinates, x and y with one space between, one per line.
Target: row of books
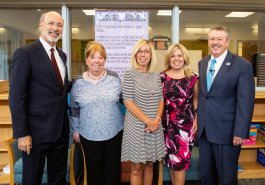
256 132
252 134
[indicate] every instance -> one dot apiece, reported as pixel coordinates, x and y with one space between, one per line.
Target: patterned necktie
55 66
210 74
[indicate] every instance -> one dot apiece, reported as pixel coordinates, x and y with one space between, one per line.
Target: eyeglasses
146 52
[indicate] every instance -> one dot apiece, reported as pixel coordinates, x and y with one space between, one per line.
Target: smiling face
177 60
95 62
51 27
143 56
218 42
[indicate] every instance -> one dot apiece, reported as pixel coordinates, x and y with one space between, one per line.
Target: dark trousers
218 162
103 160
33 164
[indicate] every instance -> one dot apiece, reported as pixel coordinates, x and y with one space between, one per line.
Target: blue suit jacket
37 102
226 110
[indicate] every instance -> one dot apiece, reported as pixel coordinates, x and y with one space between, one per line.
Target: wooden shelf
258 118
259 144
251 169
2 147
3 96
5 131
5 179
5 121
260 95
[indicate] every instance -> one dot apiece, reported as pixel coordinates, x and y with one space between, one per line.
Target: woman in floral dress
179 118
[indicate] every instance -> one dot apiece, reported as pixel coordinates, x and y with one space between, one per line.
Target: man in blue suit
225 107
38 104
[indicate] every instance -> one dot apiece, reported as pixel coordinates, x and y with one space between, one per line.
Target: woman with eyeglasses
143 142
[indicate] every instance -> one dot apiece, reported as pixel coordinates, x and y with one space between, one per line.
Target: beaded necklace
96 78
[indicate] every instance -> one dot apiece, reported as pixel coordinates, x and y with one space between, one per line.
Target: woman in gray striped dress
143 140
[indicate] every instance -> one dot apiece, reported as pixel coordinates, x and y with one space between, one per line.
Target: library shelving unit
248 156
5 127
5 133
247 160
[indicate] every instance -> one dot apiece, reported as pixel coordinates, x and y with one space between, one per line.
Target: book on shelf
255 125
262 127
261 156
261 135
239 168
252 135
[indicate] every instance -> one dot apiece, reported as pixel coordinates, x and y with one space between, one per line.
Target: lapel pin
228 63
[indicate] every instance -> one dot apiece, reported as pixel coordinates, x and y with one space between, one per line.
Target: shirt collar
46 46
221 58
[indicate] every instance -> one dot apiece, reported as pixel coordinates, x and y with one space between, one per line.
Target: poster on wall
118 31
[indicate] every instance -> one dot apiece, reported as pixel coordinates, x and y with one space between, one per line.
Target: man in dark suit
225 107
38 104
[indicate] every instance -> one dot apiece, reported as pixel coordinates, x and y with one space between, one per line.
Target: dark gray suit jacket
226 110
37 102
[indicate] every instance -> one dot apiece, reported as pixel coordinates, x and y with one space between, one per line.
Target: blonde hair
92 47
137 46
185 54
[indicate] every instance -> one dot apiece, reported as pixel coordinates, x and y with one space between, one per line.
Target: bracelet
158 118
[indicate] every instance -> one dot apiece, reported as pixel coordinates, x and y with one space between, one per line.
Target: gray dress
146 91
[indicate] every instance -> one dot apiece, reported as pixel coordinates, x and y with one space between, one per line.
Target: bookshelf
4 178
5 127
248 156
247 160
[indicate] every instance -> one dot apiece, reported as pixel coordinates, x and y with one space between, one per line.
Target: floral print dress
177 120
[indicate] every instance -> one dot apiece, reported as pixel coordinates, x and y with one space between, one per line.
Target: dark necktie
55 66
210 74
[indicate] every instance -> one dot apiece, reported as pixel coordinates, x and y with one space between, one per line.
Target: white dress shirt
218 64
58 59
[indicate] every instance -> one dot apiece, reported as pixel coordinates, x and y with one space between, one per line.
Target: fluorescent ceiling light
197 30
165 12
239 14
89 12
75 30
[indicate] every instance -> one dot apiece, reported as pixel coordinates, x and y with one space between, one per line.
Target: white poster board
118 31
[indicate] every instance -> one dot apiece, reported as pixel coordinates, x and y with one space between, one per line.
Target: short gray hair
221 28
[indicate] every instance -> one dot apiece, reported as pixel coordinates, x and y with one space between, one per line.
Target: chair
193 173
75 167
125 171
